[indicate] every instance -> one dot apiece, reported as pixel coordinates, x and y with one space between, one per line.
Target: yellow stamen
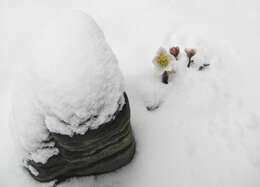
163 60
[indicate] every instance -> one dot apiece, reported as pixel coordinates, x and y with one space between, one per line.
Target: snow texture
33 170
71 83
42 155
205 132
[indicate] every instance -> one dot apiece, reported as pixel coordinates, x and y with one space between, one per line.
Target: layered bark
105 149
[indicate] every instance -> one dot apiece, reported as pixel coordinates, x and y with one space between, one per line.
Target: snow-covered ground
206 130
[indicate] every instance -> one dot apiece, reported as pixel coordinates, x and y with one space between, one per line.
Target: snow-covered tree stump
105 149
71 115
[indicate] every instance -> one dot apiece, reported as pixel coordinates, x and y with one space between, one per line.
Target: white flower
162 61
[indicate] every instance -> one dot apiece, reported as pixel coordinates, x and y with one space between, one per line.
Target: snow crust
71 83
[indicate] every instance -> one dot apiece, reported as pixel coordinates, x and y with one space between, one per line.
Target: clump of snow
69 84
42 155
33 171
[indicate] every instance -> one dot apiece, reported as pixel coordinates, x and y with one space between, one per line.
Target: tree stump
98 151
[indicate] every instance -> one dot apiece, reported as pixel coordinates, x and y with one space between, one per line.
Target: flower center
162 60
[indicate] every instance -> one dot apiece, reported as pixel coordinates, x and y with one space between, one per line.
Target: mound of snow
71 83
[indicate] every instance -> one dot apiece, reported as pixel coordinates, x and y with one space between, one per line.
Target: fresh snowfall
202 129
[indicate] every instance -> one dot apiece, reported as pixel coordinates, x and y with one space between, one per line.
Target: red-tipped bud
175 51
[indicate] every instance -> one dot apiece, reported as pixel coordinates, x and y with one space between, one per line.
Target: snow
74 74
70 83
33 170
206 129
42 155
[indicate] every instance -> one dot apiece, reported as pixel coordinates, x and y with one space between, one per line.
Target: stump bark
102 150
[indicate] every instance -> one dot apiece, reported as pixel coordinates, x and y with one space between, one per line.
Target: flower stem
165 77
189 63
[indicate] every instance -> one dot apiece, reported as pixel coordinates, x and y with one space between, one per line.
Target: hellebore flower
175 51
190 53
162 60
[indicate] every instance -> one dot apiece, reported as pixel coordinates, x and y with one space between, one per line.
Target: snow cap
73 77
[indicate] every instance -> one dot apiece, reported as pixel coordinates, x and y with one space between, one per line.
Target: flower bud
190 52
175 51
